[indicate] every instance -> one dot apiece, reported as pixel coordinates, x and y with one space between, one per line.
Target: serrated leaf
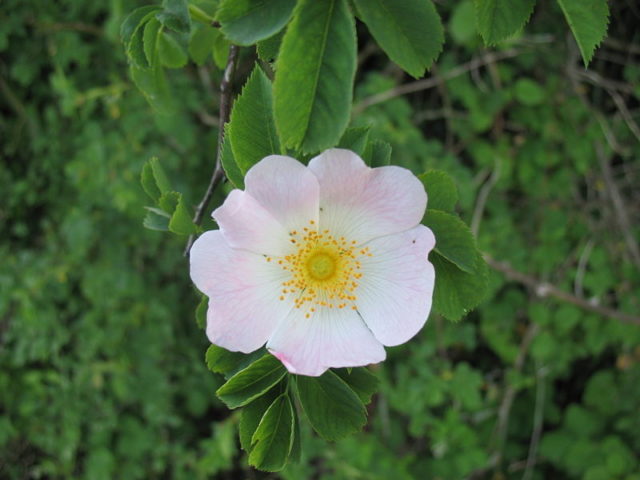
221 360
410 32
333 409
246 22
169 201
355 139
500 19
274 437
454 239
170 52
314 75
588 20
133 21
251 416
252 382
201 43
252 131
156 219
441 190
150 41
159 175
181 222
175 15
201 312
231 169
149 182
361 381
377 153
457 292
268 49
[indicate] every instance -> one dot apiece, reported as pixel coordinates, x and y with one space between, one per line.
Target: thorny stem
218 172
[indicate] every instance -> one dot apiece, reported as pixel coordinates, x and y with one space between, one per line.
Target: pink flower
325 263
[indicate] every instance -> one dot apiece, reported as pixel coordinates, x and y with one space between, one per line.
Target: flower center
324 270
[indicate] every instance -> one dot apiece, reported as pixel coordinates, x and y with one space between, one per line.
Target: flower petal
246 224
329 338
362 203
396 288
287 189
243 290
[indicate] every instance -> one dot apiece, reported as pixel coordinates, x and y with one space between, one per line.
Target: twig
218 172
545 289
481 201
431 82
582 266
538 417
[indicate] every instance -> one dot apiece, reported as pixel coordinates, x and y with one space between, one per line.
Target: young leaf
377 153
441 190
251 416
252 131
246 22
150 41
135 48
229 164
253 381
333 409
134 20
457 292
171 53
314 75
201 43
221 360
454 240
410 32
169 201
361 381
156 219
355 139
588 20
274 437
175 15
181 222
499 19
296 448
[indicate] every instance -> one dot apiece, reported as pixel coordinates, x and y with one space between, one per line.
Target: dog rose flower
326 264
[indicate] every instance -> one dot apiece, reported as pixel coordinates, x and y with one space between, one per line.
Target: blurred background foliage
102 373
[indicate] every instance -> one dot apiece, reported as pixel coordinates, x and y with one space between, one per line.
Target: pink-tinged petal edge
329 339
243 290
396 289
363 203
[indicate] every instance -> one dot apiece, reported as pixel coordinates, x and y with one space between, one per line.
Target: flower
326 264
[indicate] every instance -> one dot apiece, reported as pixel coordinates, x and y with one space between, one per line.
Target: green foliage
410 32
455 241
588 21
315 70
273 439
246 22
441 190
500 19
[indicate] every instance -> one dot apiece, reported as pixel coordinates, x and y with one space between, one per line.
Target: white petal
396 288
330 338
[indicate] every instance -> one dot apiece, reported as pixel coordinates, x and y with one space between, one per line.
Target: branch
544 289
218 172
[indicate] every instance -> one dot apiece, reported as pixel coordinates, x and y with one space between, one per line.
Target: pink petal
361 203
243 290
286 189
396 288
246 224
329 338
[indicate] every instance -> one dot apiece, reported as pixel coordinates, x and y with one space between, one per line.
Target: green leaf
201 312
221 51
171 53
231 169
500 19
333 409
201 43
268 49
314 77
150 41
251 416
153 84
253 381
175 15
355 139
134 20
246 22
529 92
169 201
361 381
181 222
154 180
410 32
274 437
221 360
252 131
377 153
457 292
156 219
588 20
454 240
135 48
441 190
296 448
